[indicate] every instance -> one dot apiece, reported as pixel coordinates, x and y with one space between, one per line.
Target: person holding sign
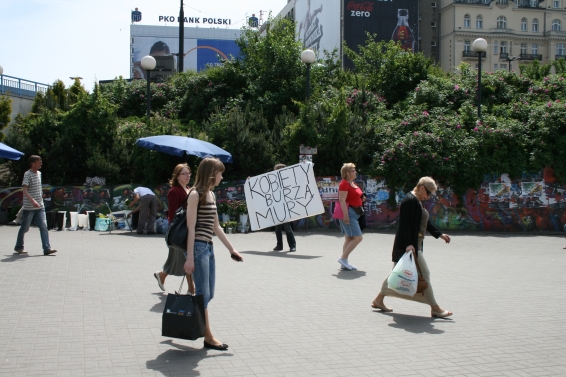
286 227
352 207
413 224
202 223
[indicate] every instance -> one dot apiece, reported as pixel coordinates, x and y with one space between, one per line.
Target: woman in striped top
202 225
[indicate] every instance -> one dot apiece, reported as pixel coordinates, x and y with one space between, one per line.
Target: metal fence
16 86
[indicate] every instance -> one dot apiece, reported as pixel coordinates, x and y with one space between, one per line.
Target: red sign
366 6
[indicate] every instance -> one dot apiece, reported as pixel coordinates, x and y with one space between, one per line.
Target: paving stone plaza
94 308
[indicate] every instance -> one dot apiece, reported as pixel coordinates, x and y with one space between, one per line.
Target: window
467 46
503 66
504 47
560 49
556 4
556 25
479 22
495 67
524 24
433 5
433 44
467 21
534 49
523 48
533 3
501 22
495 48
535 25
433 24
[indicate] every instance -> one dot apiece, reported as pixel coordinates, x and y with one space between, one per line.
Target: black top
409 226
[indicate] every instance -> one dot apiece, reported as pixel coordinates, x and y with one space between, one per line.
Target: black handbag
177 234
183 316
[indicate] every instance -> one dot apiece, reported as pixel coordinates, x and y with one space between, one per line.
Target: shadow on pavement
158 308
279 254
183 360
350 275
17 257
415 324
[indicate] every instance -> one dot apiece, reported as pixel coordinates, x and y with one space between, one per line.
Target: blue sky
46 40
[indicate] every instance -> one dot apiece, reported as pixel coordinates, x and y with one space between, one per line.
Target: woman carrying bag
413 224
201 226
352 209
174 265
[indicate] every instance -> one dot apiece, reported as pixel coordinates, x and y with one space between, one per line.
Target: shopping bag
404 277
338 214
183 317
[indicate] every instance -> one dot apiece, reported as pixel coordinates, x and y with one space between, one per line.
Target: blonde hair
174 181
428 183
206 176
279 166
346 168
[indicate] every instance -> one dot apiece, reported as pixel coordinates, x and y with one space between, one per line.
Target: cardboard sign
282 195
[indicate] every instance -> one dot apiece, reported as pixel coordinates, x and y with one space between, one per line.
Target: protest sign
282 195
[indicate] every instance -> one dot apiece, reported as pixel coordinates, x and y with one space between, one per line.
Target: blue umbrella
179 145
9 152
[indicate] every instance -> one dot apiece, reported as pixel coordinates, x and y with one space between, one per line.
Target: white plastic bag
404 277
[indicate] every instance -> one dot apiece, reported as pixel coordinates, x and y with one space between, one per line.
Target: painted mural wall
535 202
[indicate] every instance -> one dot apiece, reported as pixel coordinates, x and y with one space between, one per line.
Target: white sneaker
344 264
352 267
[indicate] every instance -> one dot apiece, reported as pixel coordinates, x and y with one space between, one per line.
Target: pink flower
476 129
549 104
456 87
446 158
416 133
425 113
458 127
546 79
417 89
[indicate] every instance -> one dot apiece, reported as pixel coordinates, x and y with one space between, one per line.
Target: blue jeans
204 275
38 217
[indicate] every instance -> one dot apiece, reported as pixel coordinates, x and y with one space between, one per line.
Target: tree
5 111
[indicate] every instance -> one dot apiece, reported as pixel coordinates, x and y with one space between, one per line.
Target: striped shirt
204 228
33 182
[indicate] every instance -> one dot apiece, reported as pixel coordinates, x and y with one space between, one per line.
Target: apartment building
516 31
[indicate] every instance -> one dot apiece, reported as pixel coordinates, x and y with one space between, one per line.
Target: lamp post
510 59
148 63
181 56
308 57
1 80
479 46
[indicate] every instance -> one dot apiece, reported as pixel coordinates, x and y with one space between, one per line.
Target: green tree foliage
535 70
5 111
388 69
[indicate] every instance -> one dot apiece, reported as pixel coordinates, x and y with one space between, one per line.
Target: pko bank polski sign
198 20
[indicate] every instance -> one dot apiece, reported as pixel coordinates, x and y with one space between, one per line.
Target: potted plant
232 208
242 210
223 210
230 226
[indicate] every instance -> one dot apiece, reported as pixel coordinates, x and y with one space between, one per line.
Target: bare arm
27 195
344 206
136 199
222 237
192 208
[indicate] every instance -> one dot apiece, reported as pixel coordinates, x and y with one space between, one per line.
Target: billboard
198 52
318 24
396 20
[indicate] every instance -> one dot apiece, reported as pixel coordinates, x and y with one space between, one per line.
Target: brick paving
94 309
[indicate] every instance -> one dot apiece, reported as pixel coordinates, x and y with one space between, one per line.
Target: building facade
516 31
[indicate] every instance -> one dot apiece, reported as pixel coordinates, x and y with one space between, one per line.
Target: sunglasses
427 192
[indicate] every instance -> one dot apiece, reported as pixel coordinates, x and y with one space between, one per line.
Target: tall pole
181 39
308 81
148 94
479 84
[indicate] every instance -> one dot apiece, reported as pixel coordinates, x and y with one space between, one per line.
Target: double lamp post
480 47
148 63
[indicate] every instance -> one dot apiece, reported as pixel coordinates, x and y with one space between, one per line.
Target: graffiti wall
535 202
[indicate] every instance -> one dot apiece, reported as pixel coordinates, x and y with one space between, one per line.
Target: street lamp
479 46
308 57
1 70
148 63
510 59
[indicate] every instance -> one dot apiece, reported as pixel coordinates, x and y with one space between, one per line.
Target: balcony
555 33
497 30
472 54
556 57
528 4
503 55
476 2
530 56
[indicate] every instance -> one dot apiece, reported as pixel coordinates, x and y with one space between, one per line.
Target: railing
19 87
477 2
501 30
555 33
530 57
472 54
528 4
556 57
503 55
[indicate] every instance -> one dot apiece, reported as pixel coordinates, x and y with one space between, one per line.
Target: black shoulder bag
178 233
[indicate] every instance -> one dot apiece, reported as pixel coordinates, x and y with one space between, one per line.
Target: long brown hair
174 178
206 176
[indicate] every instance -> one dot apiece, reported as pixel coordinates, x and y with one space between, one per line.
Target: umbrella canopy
179 145
9 152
